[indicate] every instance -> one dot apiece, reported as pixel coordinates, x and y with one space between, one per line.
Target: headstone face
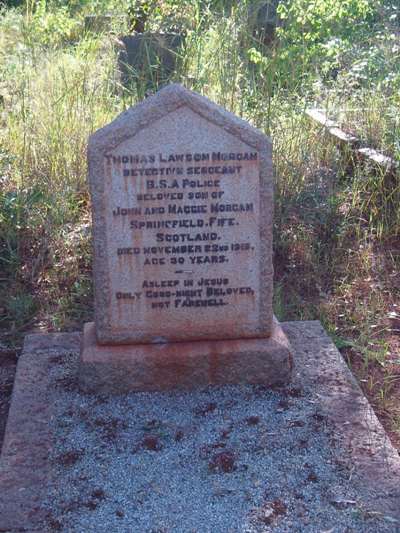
182 223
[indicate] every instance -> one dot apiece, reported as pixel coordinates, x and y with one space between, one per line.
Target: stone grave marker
105 23
263 20
182 225
148 58
98 23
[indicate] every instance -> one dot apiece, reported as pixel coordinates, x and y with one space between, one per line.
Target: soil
382 381
8 363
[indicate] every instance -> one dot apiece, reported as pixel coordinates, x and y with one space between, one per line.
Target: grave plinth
154 367
182 224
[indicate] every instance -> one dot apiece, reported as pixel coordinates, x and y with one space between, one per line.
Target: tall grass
60 83
336 226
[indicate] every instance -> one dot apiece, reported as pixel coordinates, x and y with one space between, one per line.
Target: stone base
156 367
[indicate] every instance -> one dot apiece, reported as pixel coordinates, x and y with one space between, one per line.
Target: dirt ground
8 363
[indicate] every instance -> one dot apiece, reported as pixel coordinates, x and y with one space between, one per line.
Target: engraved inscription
182 227
208 237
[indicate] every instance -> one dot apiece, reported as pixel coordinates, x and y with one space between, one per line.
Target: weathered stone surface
152 367
25 471
373 459
182 201
24 465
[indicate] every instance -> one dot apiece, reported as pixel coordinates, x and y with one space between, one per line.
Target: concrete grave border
24 463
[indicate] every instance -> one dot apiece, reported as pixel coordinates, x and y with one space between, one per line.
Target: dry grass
336 234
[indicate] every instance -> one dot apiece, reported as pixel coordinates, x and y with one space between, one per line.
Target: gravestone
182 205
148 59
264 19
98 23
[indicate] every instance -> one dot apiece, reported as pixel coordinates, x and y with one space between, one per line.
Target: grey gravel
218 460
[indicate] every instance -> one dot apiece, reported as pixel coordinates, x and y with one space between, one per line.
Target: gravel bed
218 460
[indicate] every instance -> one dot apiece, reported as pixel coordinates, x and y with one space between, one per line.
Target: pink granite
155 367
182 223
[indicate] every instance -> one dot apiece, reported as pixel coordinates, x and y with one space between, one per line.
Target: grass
336 231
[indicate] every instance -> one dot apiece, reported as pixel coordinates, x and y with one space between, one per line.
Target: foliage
336 228
316 36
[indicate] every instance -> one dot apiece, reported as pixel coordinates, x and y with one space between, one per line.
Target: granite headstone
182 225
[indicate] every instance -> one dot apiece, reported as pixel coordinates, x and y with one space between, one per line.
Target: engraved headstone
182 225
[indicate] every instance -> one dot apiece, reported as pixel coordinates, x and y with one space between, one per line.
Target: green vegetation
337 225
